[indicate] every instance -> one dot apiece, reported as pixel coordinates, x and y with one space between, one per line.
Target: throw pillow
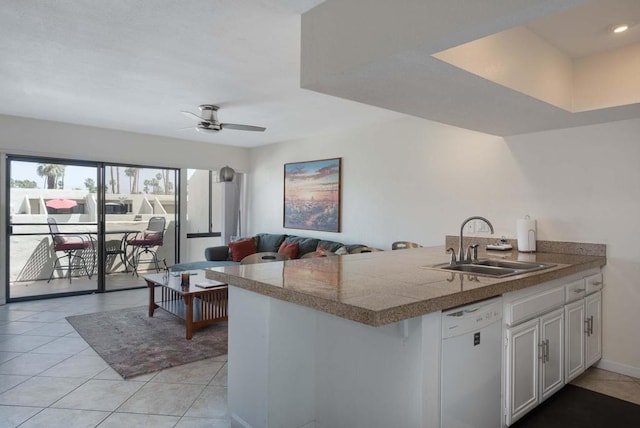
289 249
342 251
307 245
241 249
329 245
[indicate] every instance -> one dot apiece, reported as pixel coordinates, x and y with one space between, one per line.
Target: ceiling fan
208 121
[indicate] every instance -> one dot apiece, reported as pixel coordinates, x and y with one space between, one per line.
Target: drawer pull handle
578 290
597 283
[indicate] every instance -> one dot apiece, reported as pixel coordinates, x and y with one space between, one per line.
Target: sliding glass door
53 241
140 217
81 227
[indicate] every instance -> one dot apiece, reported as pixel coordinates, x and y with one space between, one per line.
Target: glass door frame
102 220
9 225
100 168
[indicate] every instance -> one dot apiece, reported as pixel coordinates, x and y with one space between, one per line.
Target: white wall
413 179
43 138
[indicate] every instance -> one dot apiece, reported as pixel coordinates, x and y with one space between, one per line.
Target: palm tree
50 172
118 179
166 178
112 182
132 173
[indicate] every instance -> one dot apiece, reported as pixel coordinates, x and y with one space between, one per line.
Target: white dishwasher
471 365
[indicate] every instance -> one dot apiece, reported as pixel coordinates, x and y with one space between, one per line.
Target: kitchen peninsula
354 341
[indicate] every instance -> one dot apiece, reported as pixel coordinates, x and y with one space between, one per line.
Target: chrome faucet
461 255
452 256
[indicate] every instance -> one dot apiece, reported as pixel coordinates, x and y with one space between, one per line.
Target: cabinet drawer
531 306
575 290
594 283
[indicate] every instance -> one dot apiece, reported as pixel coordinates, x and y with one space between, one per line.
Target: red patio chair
69 245
142 243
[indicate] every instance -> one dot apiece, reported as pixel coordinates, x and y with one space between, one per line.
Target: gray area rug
134 344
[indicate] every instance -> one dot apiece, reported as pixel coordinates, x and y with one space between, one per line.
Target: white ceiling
134 66
391 61
586 30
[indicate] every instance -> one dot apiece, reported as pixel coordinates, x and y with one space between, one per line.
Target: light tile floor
609 383
50 377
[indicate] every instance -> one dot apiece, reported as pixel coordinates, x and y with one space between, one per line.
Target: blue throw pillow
269 242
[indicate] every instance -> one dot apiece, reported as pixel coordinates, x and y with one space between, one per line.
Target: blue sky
74 175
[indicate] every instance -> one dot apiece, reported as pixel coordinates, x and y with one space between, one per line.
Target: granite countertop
389 286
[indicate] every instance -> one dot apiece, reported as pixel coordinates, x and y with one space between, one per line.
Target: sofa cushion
329 245
241 249
219 253
307 245
290 249
269 242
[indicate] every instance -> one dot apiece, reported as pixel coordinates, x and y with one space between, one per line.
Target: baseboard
620 368
238 422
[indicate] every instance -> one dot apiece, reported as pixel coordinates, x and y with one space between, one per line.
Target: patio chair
72 247
144 242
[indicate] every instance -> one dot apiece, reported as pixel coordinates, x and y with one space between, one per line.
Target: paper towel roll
526 234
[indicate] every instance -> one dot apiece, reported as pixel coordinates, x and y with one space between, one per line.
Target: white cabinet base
292 366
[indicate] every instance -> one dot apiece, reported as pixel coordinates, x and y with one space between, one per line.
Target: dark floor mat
573 406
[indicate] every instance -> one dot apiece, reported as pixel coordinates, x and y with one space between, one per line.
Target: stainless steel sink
495 268
512 264
495 271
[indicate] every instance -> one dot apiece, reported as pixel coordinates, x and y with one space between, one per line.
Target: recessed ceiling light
621 28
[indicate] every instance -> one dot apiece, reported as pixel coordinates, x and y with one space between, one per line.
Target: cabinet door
593 315
522 369
574 322
552 353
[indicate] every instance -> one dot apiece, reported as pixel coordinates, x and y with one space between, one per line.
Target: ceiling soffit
513 79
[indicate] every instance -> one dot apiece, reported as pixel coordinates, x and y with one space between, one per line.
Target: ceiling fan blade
241 127
192 116
188 127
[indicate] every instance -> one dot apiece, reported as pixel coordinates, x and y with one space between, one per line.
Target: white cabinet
553 332
593 328
522 391
534 360
552 358
583 325
574 343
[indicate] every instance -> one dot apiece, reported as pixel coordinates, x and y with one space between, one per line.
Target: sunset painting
312 195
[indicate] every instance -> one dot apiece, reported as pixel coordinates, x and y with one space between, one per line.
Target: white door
593 316
552 358
522 369
574 321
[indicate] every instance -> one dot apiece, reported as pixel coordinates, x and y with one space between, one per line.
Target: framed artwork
312 195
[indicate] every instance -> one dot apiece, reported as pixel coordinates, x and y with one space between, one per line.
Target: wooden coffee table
197 306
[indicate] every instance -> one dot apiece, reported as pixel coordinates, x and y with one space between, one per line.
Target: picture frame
313 195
